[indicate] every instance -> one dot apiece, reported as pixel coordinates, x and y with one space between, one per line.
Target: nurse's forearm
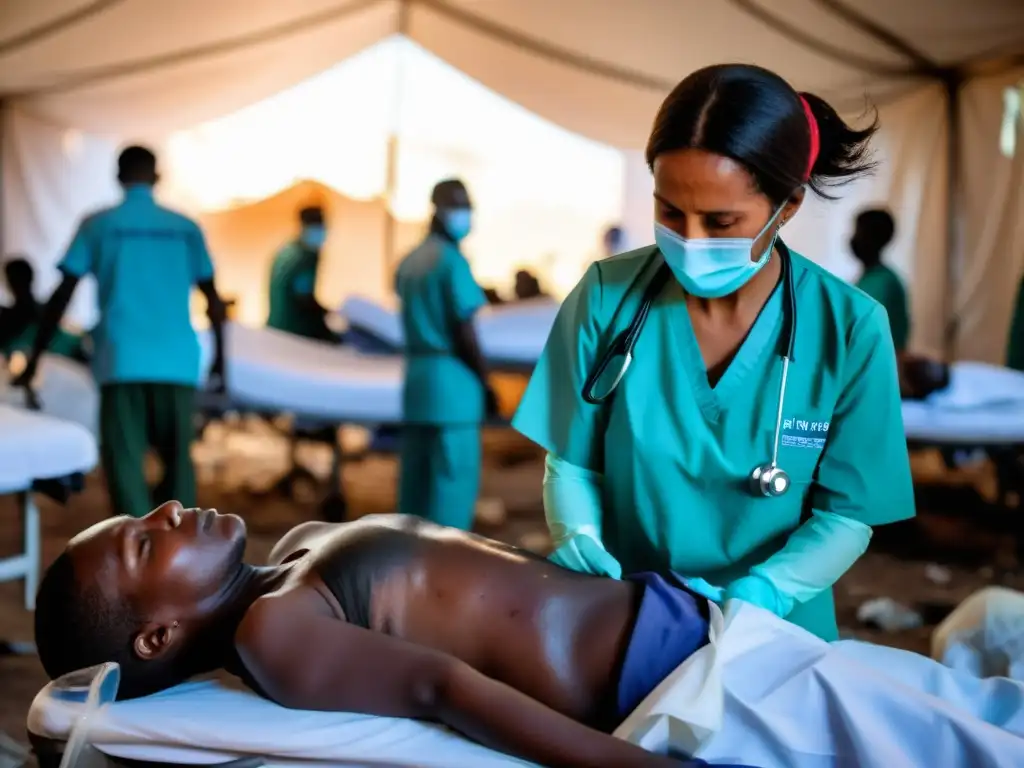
572 499
573 512
467 348
816 555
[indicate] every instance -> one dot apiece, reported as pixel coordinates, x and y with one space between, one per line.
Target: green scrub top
437 291
1015 350
146 260
676 454
292 283
884 286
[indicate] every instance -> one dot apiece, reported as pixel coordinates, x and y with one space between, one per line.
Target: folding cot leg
334 507
30 516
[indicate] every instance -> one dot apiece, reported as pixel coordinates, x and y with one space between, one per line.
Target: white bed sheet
34 446
276 371
765 692
514 333
208 722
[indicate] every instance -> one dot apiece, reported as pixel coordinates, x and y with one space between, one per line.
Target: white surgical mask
712 267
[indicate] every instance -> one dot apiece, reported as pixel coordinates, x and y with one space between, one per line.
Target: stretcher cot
762 692
38 453
512 337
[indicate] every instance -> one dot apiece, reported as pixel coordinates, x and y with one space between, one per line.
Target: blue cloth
670 627
146 260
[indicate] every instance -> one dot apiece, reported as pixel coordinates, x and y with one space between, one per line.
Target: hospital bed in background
38 454
512 336
981 409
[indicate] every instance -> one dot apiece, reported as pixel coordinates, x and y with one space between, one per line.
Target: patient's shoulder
296 539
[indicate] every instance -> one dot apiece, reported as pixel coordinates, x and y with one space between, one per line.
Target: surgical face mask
458 222
313 236
713 267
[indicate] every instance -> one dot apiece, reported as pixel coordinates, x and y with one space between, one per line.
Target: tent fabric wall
597 67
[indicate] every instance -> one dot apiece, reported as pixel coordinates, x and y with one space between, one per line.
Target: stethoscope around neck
767 479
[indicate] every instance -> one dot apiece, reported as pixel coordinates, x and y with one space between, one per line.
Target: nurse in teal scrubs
658 474
446 394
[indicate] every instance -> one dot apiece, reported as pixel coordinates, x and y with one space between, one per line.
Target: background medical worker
146 260
19 322
446 394
659 475
872 233
293 304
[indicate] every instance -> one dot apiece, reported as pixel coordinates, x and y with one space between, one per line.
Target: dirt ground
234 464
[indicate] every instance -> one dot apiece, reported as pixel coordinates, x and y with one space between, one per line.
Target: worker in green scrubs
873 232
1015 347
19 322
657 462
446 394
146 260
293 304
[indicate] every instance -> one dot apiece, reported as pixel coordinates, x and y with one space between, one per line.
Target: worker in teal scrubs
873 232
146 261
669 457
293 304
446 394
19 322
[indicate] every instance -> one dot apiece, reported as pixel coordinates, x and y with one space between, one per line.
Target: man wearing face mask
293 304
446 394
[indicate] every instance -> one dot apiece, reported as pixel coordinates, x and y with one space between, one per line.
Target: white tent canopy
597 67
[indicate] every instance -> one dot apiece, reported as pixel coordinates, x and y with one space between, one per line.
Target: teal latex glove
815 556
703 588
582 553
572 509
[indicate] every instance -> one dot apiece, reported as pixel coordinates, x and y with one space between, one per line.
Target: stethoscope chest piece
769 480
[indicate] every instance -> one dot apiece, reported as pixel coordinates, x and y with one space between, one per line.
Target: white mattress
208 722
275 371
65 389
983 405
34 446
513 334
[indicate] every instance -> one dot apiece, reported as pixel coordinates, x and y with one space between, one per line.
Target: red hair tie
812 125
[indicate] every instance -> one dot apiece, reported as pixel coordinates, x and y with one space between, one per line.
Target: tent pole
391 171
952 80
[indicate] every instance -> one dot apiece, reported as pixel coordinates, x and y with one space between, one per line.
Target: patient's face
171 564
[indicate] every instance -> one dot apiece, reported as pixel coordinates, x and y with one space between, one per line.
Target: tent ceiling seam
881 34
101 74
578 61
837 54
55 26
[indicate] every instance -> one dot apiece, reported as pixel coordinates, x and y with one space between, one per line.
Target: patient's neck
248 583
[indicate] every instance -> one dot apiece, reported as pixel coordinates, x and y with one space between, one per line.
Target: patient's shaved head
141 592
77 626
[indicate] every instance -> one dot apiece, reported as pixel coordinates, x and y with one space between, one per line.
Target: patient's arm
308 660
